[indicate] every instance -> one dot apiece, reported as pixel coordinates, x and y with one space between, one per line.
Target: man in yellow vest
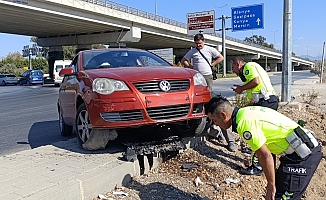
270 132
259 91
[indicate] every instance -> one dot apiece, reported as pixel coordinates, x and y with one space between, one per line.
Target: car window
37 73
58 68
120 58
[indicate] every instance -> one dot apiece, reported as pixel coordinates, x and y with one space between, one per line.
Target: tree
69 52
260 40
98 46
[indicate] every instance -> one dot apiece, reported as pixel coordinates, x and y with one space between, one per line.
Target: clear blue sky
308 22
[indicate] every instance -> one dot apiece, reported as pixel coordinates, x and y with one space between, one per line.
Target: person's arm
251 84
186 63
218 60
265 159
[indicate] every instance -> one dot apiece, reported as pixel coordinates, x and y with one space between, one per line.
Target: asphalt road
29 117
223 86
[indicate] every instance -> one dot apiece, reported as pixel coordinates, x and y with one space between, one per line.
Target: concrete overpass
59 23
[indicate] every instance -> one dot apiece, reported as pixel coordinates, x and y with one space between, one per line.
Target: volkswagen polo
106 91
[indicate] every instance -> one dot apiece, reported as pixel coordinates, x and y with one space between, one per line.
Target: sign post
201 22
247 17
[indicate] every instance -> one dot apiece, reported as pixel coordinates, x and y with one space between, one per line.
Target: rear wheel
65 129
83 125
189 128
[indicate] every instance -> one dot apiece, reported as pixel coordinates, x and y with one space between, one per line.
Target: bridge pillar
55 53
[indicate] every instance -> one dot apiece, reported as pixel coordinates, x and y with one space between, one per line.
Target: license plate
166 99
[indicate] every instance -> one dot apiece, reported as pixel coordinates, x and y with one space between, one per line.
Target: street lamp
274 37
221 7
307 46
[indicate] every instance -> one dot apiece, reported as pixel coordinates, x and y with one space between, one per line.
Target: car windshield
121 58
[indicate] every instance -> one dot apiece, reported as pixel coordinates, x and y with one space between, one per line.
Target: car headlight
108 86
199 80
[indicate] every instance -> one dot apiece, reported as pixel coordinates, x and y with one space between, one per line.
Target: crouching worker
268 131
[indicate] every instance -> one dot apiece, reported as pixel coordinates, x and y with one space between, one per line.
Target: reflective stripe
257 96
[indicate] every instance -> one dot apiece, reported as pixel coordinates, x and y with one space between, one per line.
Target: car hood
138 74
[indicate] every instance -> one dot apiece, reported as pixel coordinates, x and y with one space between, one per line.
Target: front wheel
83 125
189 128
65 129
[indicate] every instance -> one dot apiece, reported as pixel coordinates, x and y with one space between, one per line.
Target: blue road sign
247 17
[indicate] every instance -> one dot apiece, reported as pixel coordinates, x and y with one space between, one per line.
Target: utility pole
287 51
155 8
322 65
223 41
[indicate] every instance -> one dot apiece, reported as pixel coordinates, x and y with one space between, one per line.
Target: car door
68 95
23 78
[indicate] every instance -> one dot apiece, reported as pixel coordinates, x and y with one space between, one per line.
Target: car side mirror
66 71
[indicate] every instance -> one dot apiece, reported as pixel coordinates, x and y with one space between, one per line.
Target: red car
106 91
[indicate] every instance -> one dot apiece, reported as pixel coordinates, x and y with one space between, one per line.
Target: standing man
270 132
202 62
202 59
259 91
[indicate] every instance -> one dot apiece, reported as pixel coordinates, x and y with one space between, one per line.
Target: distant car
106 92
8 79
58 65
31 77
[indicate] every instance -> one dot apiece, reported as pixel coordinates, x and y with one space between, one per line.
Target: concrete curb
65 171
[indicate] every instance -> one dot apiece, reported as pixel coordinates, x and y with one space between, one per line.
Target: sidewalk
65 171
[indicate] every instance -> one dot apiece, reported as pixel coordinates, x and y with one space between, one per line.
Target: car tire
3 83
28 83
65 129
189 128
83 125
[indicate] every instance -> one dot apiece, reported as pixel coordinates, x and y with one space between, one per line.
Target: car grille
149 87
125 116
168 112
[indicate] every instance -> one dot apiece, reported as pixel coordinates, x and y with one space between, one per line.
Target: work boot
252 170
231 146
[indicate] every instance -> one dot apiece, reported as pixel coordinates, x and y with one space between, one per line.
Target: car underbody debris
170 144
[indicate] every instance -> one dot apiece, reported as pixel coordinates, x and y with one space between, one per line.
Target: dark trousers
272 102
294 174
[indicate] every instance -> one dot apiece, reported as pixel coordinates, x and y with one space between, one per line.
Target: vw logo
165 85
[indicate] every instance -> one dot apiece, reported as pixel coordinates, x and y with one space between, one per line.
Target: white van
58 65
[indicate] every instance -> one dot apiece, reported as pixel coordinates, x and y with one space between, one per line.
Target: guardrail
145 14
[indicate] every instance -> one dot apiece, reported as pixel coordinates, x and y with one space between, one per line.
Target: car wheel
65 129
28 83
3 83
83 125
189 128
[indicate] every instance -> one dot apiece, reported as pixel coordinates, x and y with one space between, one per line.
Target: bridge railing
145 14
